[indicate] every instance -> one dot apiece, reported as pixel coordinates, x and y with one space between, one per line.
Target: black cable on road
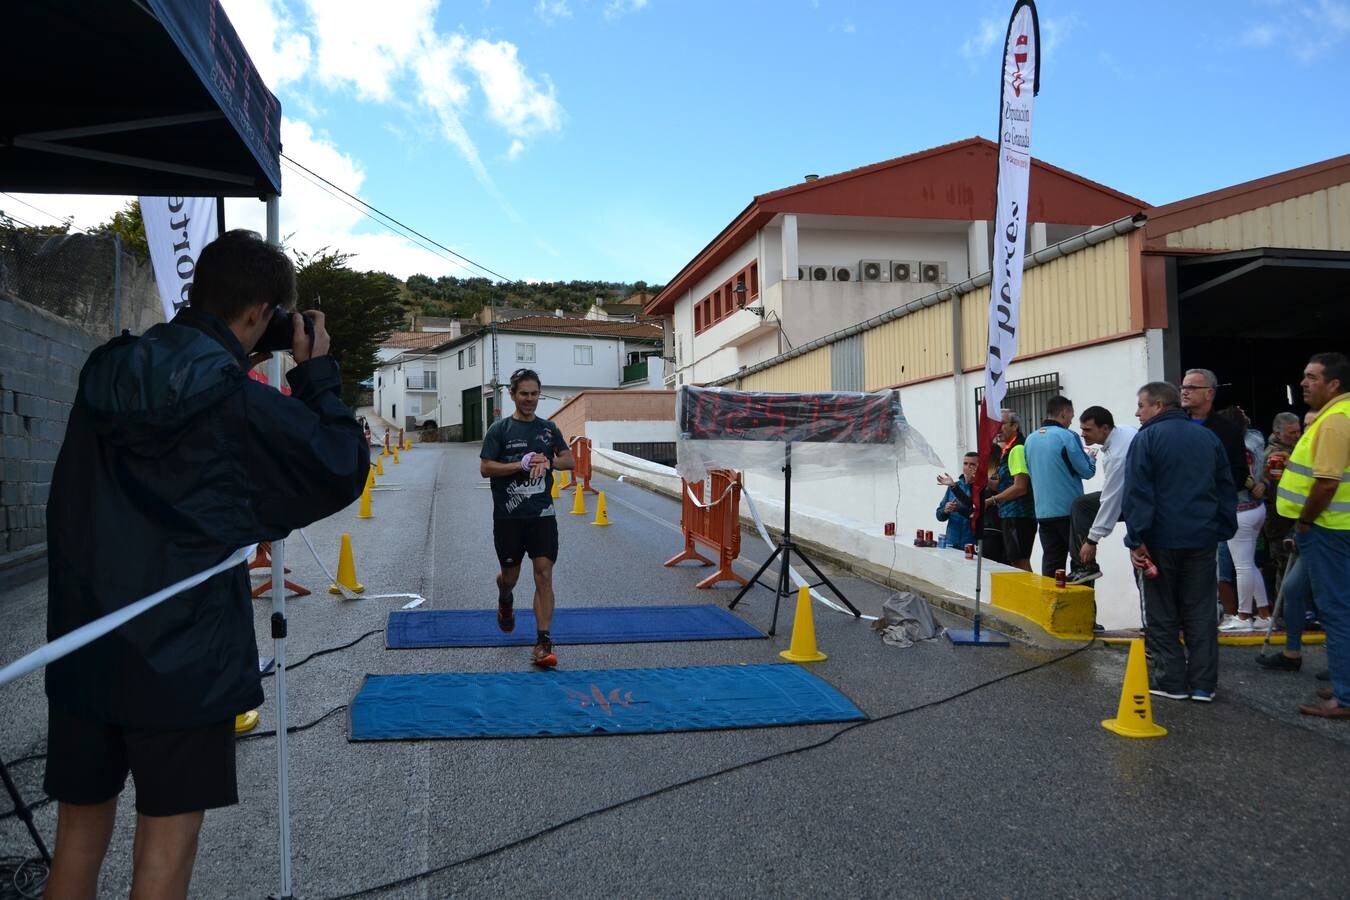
782 754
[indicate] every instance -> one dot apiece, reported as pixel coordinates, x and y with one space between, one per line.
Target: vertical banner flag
177 228
1019 86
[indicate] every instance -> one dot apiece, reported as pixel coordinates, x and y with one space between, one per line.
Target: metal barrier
581 471
715 524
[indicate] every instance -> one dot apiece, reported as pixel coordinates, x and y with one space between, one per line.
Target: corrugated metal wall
808 372
911 348
1316 221
847 368
1078 298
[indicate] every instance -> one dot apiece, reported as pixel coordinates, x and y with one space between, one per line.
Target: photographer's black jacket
174 459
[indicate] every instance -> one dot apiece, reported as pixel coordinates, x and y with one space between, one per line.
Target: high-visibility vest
1297 481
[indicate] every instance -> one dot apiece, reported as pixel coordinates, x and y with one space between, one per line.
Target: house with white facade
403 386
570 355
805 261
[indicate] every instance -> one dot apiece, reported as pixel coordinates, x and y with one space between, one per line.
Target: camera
280 333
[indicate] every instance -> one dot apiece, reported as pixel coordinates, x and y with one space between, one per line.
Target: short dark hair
1162 392
520 375
1056 405
1335 367
240 269
973 453
1099 414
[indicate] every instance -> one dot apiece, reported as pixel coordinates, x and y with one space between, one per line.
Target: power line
341 198
67 221
408 228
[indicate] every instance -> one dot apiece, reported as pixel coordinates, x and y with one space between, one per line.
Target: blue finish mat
571 625
598 701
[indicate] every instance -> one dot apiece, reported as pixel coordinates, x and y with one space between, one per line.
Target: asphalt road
980 771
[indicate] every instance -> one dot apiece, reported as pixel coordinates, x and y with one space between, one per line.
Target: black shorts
175 771
514 538
1018 536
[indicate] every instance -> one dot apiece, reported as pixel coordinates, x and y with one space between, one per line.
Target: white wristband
526 460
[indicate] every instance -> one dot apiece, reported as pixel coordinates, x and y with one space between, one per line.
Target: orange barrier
263 560
386 442
581 471
716 525
400 440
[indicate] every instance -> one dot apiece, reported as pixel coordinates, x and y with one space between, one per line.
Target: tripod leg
753 581
782 588
838 593
24 813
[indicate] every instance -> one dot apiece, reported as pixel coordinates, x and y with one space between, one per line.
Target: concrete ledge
1066 612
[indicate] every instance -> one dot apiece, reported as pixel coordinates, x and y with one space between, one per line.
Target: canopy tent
149 97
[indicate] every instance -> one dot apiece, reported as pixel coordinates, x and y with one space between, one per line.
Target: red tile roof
590 327
415 340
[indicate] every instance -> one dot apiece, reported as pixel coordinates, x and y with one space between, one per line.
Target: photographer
173 460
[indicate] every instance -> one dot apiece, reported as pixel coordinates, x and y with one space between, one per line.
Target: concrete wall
40 359
609 416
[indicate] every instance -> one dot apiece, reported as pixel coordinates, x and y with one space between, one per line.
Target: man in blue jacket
954 508
1179 504
1058 465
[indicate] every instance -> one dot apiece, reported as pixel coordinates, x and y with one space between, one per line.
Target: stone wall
40 359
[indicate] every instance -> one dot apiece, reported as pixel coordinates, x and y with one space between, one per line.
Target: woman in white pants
1253 602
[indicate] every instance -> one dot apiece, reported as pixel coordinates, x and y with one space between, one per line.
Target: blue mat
599 701
571 625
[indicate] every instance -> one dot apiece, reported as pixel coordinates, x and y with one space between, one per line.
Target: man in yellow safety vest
1315 491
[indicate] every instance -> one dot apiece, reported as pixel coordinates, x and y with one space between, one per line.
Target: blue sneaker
1202 696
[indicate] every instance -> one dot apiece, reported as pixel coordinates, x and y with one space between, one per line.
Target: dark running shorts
514 538
175 772
1018 536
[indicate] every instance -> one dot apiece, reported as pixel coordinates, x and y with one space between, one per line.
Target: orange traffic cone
1134 716
803 647
346 573
601 511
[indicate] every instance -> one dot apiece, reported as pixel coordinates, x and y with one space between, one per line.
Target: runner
519 454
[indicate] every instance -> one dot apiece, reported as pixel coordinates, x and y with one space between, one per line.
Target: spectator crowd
1221 520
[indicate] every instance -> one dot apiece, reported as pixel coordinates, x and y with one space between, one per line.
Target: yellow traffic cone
803 648
395 456
245 722
346 575
564 478
579 504
1134 717
379 465
370 478
407 443
556 491
364 512
601 511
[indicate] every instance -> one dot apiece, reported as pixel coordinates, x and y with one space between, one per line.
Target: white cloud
515 150
551 11
1309 30
367 45
1262 34
1055 31
618 8
983 40
848 27
515 100
279 49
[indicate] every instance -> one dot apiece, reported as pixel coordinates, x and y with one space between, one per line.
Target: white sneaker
1260 624
1233 623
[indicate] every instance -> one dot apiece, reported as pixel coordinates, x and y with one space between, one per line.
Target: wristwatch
1090 541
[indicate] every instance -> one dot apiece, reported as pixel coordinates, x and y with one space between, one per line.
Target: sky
613 139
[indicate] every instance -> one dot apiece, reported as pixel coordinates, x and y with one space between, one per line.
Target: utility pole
496 383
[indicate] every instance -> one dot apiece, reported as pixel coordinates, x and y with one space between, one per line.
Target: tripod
783 552
22 810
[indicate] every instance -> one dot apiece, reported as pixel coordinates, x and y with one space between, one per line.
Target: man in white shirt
1095 515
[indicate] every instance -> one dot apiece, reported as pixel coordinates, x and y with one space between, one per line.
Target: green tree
360 309
127 223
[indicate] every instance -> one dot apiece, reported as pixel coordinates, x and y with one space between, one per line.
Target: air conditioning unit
904 270
842 273
803 273
874 270
819 273
933 272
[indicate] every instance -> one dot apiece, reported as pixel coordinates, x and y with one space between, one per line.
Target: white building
402 393
570 355
808 260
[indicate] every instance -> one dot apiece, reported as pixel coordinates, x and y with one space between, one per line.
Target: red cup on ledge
890 529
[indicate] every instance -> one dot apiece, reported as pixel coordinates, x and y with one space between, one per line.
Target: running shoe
1084 576
1260 624
1202 696
543 655
506 613
1170 695
1233 623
